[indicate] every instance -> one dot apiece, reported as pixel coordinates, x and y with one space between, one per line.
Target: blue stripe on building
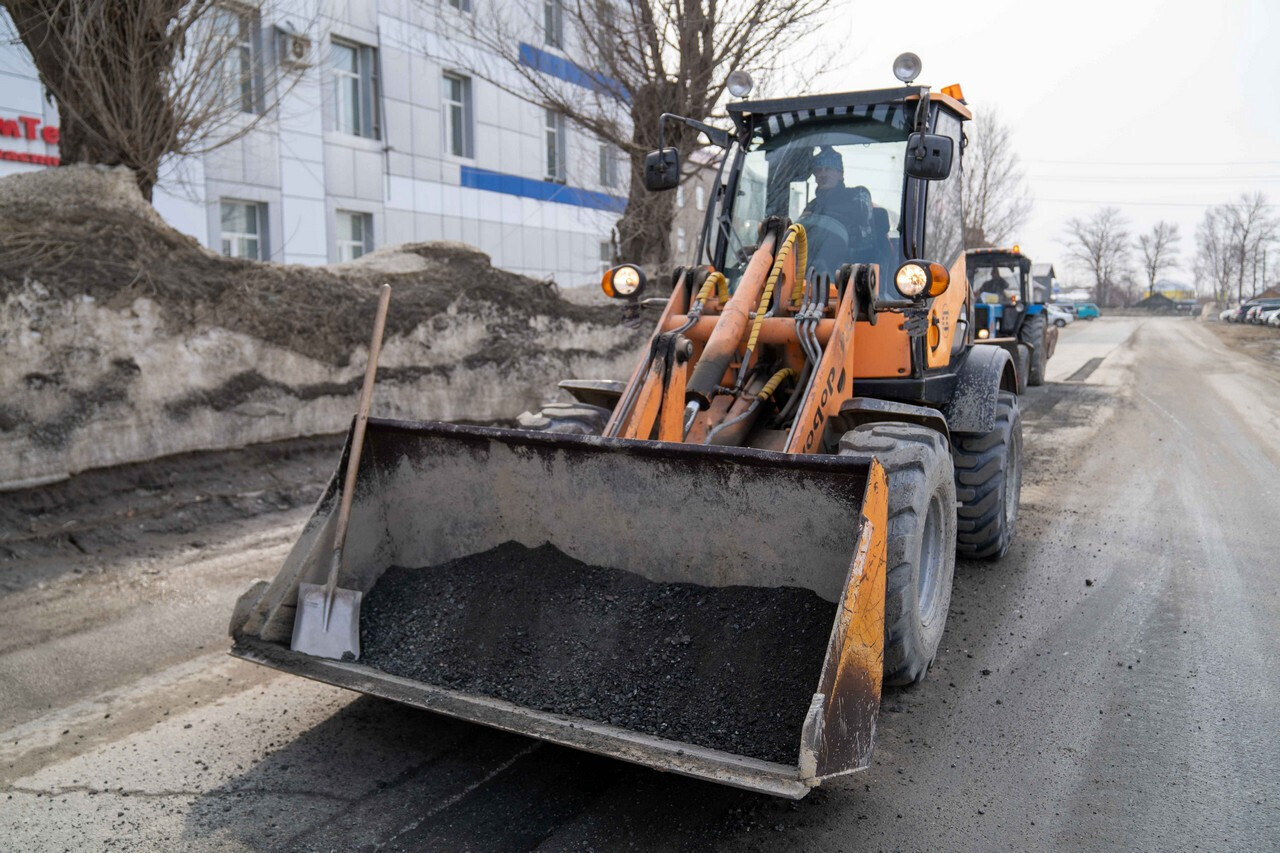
498 182
570 72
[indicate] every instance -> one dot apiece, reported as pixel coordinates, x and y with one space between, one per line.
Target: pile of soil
731 668
81 230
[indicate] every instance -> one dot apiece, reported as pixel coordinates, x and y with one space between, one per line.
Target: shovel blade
338 636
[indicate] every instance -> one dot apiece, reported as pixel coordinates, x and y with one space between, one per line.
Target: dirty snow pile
122 339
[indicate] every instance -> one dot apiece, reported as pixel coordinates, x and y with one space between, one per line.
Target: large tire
1032 334
920 548
565 418
988 484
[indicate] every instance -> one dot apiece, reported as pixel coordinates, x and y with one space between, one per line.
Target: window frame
365 242
608 166
464 107
366 112
234 238
555 169
244 50
553 23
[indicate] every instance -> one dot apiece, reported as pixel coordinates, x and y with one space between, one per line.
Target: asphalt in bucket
730 668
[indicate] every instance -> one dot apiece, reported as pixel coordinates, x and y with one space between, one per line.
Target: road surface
1111 683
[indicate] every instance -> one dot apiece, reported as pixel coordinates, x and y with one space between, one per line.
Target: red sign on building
28 127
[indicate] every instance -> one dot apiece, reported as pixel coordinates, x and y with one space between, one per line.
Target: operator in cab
838 219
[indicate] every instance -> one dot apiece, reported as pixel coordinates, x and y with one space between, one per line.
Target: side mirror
929 156
662 170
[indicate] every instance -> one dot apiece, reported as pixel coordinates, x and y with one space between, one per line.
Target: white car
1058 316
1228 314
1270 316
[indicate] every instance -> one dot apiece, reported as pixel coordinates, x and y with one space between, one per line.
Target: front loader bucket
673 526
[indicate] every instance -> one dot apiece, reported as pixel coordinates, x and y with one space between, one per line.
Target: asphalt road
1113 682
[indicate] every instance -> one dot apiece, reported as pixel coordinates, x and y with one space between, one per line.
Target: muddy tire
566 419
921 542
1032 334
988 484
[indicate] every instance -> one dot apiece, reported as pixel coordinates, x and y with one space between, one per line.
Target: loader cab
836 164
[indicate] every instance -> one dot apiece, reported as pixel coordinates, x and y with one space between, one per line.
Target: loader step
729 668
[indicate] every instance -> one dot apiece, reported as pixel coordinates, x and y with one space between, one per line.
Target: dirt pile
83 231
730 668
122 339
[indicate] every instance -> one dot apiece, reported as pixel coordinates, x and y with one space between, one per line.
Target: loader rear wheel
566 419
1032 334
989 483
920 555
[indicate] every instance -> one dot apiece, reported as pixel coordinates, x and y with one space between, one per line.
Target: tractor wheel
988 484
920 553
1032 334
565 418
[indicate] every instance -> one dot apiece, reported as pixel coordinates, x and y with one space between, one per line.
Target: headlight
983 334
623 281
911 280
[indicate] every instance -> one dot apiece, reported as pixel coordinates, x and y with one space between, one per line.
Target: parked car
1087 311
1267 316
1059 316
1228 315
1274 320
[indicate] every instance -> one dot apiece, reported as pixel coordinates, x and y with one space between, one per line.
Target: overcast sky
1158 108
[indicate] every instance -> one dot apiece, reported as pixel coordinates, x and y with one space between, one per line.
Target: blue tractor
1008 309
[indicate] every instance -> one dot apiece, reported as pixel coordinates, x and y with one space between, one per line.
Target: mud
731 668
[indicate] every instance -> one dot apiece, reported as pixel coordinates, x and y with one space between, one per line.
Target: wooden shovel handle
357 440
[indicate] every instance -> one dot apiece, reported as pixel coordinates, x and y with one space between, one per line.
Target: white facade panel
301 169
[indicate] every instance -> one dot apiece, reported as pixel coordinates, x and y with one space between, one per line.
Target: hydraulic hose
794 239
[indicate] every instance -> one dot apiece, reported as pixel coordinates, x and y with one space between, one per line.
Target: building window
700 197
555 146
606 255
355 234
237 30
457 115
553 22
679 195
244 231
460 5
681 245
608 166
355 88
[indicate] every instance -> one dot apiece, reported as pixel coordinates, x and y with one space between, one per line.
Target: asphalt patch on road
730 668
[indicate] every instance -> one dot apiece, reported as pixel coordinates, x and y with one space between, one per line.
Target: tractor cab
1002 292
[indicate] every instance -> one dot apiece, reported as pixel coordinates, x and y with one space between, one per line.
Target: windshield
841 178
998 284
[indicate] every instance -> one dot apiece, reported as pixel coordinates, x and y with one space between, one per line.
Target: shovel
327 623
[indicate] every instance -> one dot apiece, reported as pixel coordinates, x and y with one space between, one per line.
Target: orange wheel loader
810 417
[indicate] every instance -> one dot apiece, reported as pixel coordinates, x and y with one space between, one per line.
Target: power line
1152 163
1141 203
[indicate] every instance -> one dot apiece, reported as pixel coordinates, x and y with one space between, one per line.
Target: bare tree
138 80
1253 231
1100 245
1159 251
647 57
1215 255
994 195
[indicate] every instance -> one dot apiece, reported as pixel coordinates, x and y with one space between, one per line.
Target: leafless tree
138 80
994 194
636 61
1253 233
1215 256
1159 251
1100 246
